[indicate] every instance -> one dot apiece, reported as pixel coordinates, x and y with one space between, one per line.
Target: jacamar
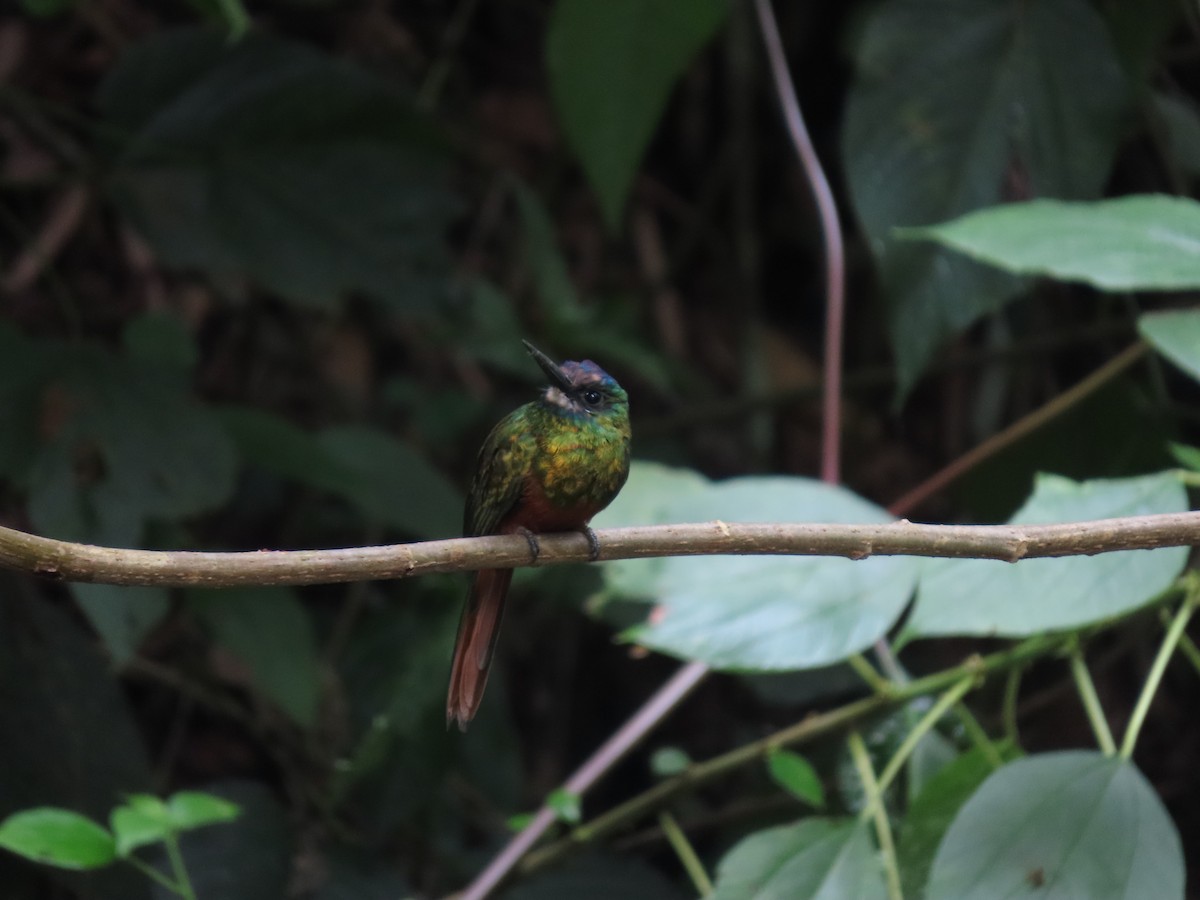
549 465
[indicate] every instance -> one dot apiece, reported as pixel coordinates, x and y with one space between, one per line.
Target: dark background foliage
267 290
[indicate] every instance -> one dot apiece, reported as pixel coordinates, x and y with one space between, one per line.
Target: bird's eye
591 398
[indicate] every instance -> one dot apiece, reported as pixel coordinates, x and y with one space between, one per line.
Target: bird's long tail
477 631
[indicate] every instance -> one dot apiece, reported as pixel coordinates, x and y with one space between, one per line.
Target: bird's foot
593 543
535 549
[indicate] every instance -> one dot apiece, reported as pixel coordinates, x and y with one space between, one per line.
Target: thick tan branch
84 562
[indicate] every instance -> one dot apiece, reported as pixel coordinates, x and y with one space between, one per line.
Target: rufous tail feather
477 631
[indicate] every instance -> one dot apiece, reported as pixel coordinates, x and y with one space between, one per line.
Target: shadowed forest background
263 285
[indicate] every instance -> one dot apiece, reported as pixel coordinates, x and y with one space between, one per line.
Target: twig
811 728
67 561
653 711
831 232
1022 427
687 854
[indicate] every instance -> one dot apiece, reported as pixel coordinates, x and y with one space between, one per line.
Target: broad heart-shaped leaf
947 93
270 160
612 65
269 631
1138 243
1058 826
58 837
930 814
815 858
761 613
988 597
1175 334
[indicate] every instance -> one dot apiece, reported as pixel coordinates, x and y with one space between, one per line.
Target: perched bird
549 465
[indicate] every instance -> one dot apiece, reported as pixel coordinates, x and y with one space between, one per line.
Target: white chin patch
558 398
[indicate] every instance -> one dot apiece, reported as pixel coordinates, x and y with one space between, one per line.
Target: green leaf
1071 824
1139 243
269 631
950 98
57 837
566 806
1176 334
612 66
392 483
935 807
247 859
122 615
195 809
795 774
269 160
647 499
131 445
815 858
989 597
1186 456
140 821
762 613
668 761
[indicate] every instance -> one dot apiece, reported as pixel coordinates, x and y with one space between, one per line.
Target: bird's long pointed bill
549 366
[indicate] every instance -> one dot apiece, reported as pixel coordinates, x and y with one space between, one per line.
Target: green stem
1012 695
153 874
686 853
1189 649
1174 633
802 732
922 728
867 673
874 807
177 866
978 736
1091 701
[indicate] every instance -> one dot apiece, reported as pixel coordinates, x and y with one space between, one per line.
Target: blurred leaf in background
269 160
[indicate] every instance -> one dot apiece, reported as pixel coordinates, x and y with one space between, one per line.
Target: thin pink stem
831 230
610 753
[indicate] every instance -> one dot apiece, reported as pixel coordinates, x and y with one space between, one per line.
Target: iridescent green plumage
549 465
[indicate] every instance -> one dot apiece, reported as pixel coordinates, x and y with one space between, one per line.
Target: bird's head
580 389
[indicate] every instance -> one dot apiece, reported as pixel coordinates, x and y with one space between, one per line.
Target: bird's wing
505 459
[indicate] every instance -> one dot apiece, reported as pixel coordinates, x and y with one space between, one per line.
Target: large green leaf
815 858
758 613
989 597
612 66
58 837
269 631
930 814
951 97
1176 335
1057 826
270 160
1139 243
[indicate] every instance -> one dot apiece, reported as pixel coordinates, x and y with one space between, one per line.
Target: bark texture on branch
25 552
